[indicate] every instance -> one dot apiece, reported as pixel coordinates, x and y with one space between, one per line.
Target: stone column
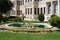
33 12
46 12
39 10
36 11
43 10
58 7
24 1
27 11
52 8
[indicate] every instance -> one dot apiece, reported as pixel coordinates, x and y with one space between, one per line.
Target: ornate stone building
32 8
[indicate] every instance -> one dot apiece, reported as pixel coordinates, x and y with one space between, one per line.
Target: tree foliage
53 15
55 21
5 18
41 17
5 6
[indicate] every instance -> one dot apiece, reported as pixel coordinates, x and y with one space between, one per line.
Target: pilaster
58 7
52 8
46 12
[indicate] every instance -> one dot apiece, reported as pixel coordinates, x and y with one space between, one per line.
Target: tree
22 18
41 17
55 21
53 15
5 18
5 6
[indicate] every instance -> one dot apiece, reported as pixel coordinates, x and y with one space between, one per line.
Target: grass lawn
19 36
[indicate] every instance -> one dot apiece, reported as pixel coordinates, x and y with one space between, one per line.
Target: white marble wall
41 4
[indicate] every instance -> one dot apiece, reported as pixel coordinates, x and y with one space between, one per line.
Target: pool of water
39 25
15 25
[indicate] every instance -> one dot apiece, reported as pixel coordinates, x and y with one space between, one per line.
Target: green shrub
41 17
53 15
17 19
12 18
55 21
5 18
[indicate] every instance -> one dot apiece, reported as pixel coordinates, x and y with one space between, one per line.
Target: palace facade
32 8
